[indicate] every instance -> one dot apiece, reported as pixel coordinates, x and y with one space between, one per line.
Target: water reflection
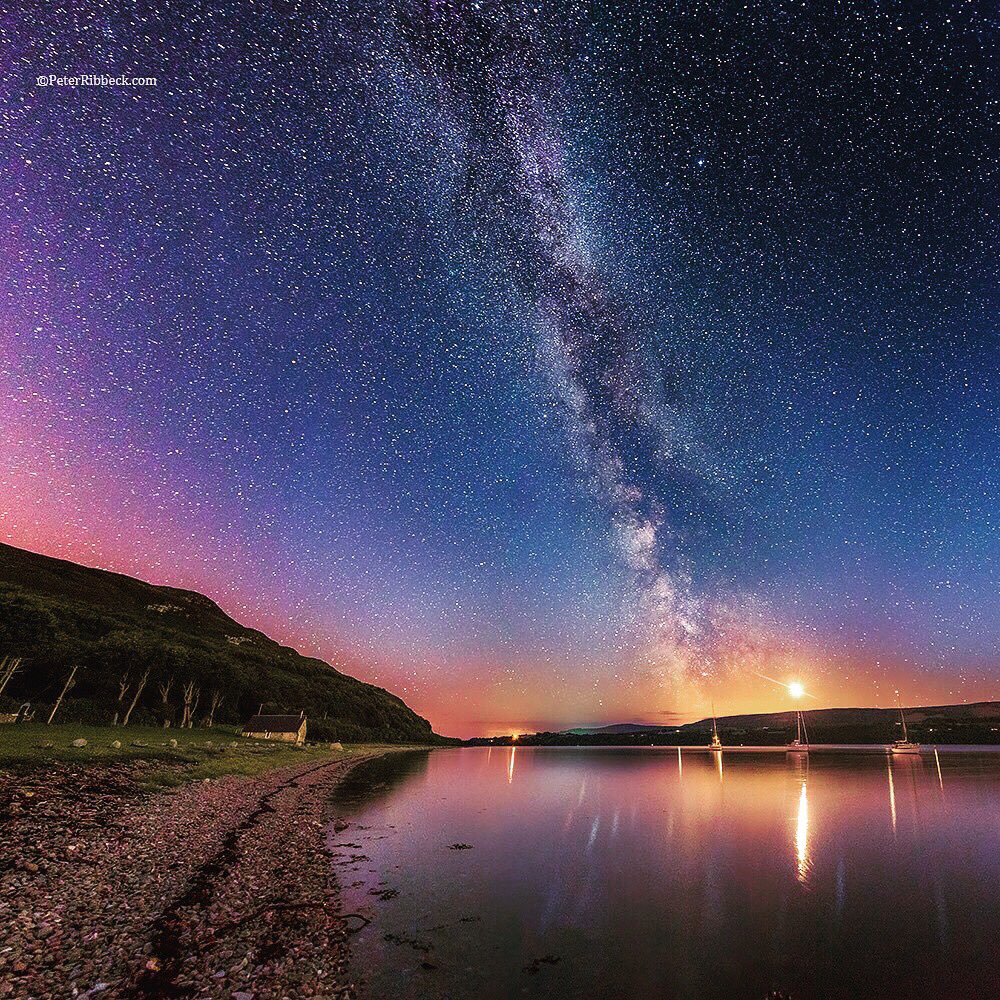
605 876
802 834
717 754
375 779
892 793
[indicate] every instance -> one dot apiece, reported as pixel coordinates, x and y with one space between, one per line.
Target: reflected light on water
680 765
802 835
787 877
717 754
892 794
937 762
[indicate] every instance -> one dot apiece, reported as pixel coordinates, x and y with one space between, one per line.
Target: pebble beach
220 888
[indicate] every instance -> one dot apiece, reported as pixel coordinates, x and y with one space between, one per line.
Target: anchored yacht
716 743
801 742
905 745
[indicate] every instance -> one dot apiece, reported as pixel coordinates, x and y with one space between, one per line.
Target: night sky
546 364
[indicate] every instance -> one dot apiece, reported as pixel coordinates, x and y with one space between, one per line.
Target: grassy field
200 753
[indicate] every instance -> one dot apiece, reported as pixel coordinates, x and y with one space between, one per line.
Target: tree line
130 692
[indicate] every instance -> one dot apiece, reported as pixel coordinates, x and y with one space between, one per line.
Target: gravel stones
212 890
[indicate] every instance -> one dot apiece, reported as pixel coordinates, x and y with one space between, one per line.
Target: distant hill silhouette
976 723
619 728
56 613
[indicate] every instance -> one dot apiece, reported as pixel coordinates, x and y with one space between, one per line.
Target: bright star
796 690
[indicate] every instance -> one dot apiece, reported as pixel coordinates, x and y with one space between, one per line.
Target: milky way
545 363
491 80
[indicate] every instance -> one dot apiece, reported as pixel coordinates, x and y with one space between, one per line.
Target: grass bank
198 754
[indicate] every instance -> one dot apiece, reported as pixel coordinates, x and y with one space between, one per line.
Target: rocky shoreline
222 888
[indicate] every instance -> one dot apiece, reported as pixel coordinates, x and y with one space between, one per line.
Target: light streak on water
593 832
802 835
892 794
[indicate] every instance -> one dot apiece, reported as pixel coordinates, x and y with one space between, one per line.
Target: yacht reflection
937 763
717 754
510 766
680 764
892 795
802 834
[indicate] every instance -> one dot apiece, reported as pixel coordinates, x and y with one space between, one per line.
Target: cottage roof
274 724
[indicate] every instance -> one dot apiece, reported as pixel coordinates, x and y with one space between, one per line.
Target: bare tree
8 667
135 697
194 707
217 700
122 691
165 699
188 692
62 694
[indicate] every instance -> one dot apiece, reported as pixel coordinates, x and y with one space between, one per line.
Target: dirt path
220 889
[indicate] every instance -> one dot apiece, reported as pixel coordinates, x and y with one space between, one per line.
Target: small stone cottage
287 728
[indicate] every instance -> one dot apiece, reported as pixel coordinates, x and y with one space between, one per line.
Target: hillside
55 614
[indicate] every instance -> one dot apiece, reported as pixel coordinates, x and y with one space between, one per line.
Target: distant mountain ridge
55 613
824 718
619 728
816 718
975 723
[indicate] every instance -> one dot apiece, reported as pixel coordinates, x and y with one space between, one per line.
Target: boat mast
798 726
902 718
715 728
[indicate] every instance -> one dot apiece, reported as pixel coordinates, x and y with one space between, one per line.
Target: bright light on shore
796 690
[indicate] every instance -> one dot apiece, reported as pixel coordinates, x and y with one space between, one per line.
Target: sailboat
716 743
799 745
904 745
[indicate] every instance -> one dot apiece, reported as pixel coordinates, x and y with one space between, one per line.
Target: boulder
79 743
172 743
116 745
336 746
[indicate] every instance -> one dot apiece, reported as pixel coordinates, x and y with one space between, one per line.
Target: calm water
629 873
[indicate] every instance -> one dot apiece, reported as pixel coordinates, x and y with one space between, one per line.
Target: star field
544 363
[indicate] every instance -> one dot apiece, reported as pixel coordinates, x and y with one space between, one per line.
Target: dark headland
56 614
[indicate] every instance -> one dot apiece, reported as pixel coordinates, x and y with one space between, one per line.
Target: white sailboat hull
904 746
